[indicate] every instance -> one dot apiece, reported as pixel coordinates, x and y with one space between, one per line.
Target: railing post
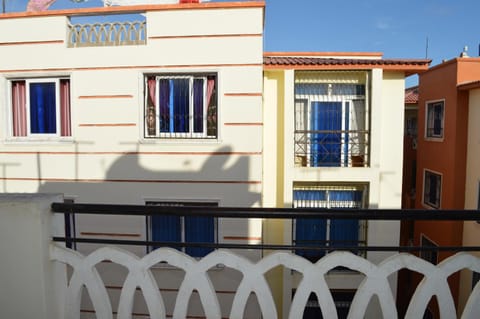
30 282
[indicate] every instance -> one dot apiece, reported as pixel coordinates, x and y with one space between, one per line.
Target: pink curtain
66 127
19 110
151 117
211 109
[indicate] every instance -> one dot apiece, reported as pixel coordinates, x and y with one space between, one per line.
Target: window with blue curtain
189 229
43 108
321 232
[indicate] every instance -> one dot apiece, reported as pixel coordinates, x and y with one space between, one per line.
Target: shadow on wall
128 182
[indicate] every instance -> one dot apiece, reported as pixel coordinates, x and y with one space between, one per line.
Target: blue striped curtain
174 103
309 232
199 229
325 146
43 113
180 99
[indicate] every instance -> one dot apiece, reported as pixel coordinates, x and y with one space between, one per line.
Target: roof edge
135 8
323 54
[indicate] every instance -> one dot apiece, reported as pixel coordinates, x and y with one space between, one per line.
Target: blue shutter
43 113
325 146
309 232
344 231
199 229
166 228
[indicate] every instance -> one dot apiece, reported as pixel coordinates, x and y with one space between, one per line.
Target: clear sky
399 29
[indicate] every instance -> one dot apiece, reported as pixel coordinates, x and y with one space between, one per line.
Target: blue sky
399 29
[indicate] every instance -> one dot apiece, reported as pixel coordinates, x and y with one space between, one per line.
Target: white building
163 112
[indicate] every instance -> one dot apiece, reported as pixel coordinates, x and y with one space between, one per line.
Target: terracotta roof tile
409 66
276 60
411 95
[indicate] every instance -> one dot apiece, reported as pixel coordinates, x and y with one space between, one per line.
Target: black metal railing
267 213
334 148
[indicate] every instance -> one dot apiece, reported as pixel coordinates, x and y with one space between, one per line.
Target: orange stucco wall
446 156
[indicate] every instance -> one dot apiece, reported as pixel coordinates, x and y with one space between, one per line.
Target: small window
183 229
435 119
181 106
431 254
40 107
432 189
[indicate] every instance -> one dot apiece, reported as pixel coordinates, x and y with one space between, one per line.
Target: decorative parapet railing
375 283
200 277
107 34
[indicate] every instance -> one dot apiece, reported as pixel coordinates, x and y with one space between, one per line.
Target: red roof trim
135 8
323 54
469 85
409 66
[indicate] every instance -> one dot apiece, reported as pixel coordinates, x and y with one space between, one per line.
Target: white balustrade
375 283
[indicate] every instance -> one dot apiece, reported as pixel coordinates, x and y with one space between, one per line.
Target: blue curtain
198 85
309 232
344 231
180 99
326 146
166 228
199 229
164 104
43 108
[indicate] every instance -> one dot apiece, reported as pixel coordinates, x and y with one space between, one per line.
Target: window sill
39 141
434 139
183 141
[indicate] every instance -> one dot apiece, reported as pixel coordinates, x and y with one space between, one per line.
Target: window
435 115
181 106
328 233
432 189
186 229
331 119
430 255
40 107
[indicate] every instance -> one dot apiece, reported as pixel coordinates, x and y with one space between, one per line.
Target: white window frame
433 137
429 205
182 135
57 106
36 137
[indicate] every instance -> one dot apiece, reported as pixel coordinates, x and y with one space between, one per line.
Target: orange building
443 111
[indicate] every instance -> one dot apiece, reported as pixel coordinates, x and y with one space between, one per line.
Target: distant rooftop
411 95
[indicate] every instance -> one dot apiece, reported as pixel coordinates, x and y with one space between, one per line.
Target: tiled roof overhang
469 85
409 66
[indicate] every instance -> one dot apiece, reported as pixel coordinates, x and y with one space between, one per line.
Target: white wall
30 282
471 229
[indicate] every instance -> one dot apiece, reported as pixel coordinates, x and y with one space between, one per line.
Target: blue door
326 138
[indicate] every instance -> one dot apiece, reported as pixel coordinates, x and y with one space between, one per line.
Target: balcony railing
198 273
336 148
107 34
